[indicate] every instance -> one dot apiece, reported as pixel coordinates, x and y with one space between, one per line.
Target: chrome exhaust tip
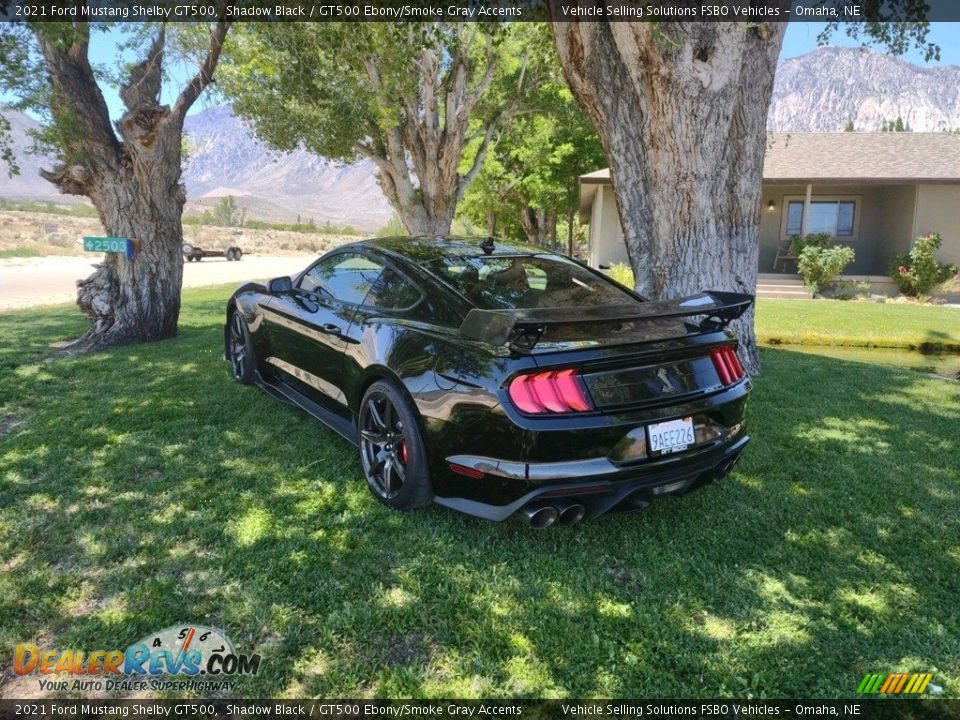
724 468
540 516
571 514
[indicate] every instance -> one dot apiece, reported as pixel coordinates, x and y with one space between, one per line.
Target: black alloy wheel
241 352
391 449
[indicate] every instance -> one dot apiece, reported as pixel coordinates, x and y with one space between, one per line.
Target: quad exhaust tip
571 514
543 516
724 468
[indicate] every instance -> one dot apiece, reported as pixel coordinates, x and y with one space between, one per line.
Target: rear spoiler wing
503 327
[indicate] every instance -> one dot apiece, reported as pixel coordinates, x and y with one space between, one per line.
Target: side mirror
280 285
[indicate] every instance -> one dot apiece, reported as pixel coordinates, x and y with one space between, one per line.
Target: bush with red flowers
917 273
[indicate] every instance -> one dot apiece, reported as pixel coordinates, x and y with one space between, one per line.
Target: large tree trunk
132 176
136 300
419 153
681 111
539 225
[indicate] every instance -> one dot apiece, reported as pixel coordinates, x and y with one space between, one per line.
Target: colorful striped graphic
894 683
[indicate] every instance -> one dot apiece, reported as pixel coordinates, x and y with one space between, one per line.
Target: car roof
423 249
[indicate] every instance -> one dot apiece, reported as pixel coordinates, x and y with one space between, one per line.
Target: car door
393 296
313 326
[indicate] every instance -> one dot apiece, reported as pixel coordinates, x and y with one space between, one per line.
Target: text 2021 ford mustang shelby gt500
496 378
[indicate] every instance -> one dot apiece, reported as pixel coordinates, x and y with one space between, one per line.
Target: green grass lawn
141 488
857 324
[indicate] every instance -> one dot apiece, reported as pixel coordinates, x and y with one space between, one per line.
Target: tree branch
204 75
464 181
77 101
143 87
473 98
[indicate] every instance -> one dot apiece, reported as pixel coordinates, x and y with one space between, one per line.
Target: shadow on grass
939 341
146 489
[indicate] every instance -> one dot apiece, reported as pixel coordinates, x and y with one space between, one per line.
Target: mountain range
824 89
225 158
820 91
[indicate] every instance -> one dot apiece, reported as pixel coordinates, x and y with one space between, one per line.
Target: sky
800 38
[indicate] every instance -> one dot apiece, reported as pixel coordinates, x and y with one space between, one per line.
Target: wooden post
804 221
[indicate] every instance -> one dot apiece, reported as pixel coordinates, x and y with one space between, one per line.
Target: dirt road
25 282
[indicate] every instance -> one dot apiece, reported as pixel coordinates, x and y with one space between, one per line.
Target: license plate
672 436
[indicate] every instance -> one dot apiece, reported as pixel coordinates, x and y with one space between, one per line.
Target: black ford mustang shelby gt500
496 378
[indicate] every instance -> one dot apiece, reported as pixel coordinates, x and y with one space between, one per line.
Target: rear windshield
526 281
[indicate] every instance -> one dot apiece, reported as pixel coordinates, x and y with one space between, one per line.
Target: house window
834 217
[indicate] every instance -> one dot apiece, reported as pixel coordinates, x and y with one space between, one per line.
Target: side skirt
285 393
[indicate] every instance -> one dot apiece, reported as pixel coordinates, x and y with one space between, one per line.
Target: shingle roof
918 157
854 157
596 176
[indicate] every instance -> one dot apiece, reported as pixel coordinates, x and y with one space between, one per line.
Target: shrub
623 274
819 265
918 272
21 252
819 240
394 228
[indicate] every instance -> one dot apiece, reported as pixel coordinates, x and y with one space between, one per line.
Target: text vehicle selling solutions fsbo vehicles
496 378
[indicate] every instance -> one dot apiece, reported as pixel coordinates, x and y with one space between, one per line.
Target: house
872 191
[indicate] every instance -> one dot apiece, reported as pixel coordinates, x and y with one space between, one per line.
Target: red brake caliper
403 453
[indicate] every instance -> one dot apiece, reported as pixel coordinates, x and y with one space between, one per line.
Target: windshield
526 281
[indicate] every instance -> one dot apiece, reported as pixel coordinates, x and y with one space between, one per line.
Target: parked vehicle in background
196 254
496 378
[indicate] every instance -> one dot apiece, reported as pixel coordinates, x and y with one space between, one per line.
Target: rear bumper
598 484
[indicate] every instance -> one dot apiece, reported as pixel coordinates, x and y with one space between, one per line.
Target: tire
228 254
237 254
392 451
240 350
187 249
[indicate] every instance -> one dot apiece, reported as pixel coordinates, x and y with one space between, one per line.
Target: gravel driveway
26 282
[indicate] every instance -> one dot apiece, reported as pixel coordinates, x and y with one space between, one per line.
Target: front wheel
392 451
241 350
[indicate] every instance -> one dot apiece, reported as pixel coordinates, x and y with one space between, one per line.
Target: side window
794 217
347 277
392 292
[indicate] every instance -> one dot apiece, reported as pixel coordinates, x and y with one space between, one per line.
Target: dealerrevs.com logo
182 657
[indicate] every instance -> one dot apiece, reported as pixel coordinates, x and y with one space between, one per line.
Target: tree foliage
897 25
410 97
529 176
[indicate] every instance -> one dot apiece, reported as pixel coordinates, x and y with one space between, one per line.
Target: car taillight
551 391
727 363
